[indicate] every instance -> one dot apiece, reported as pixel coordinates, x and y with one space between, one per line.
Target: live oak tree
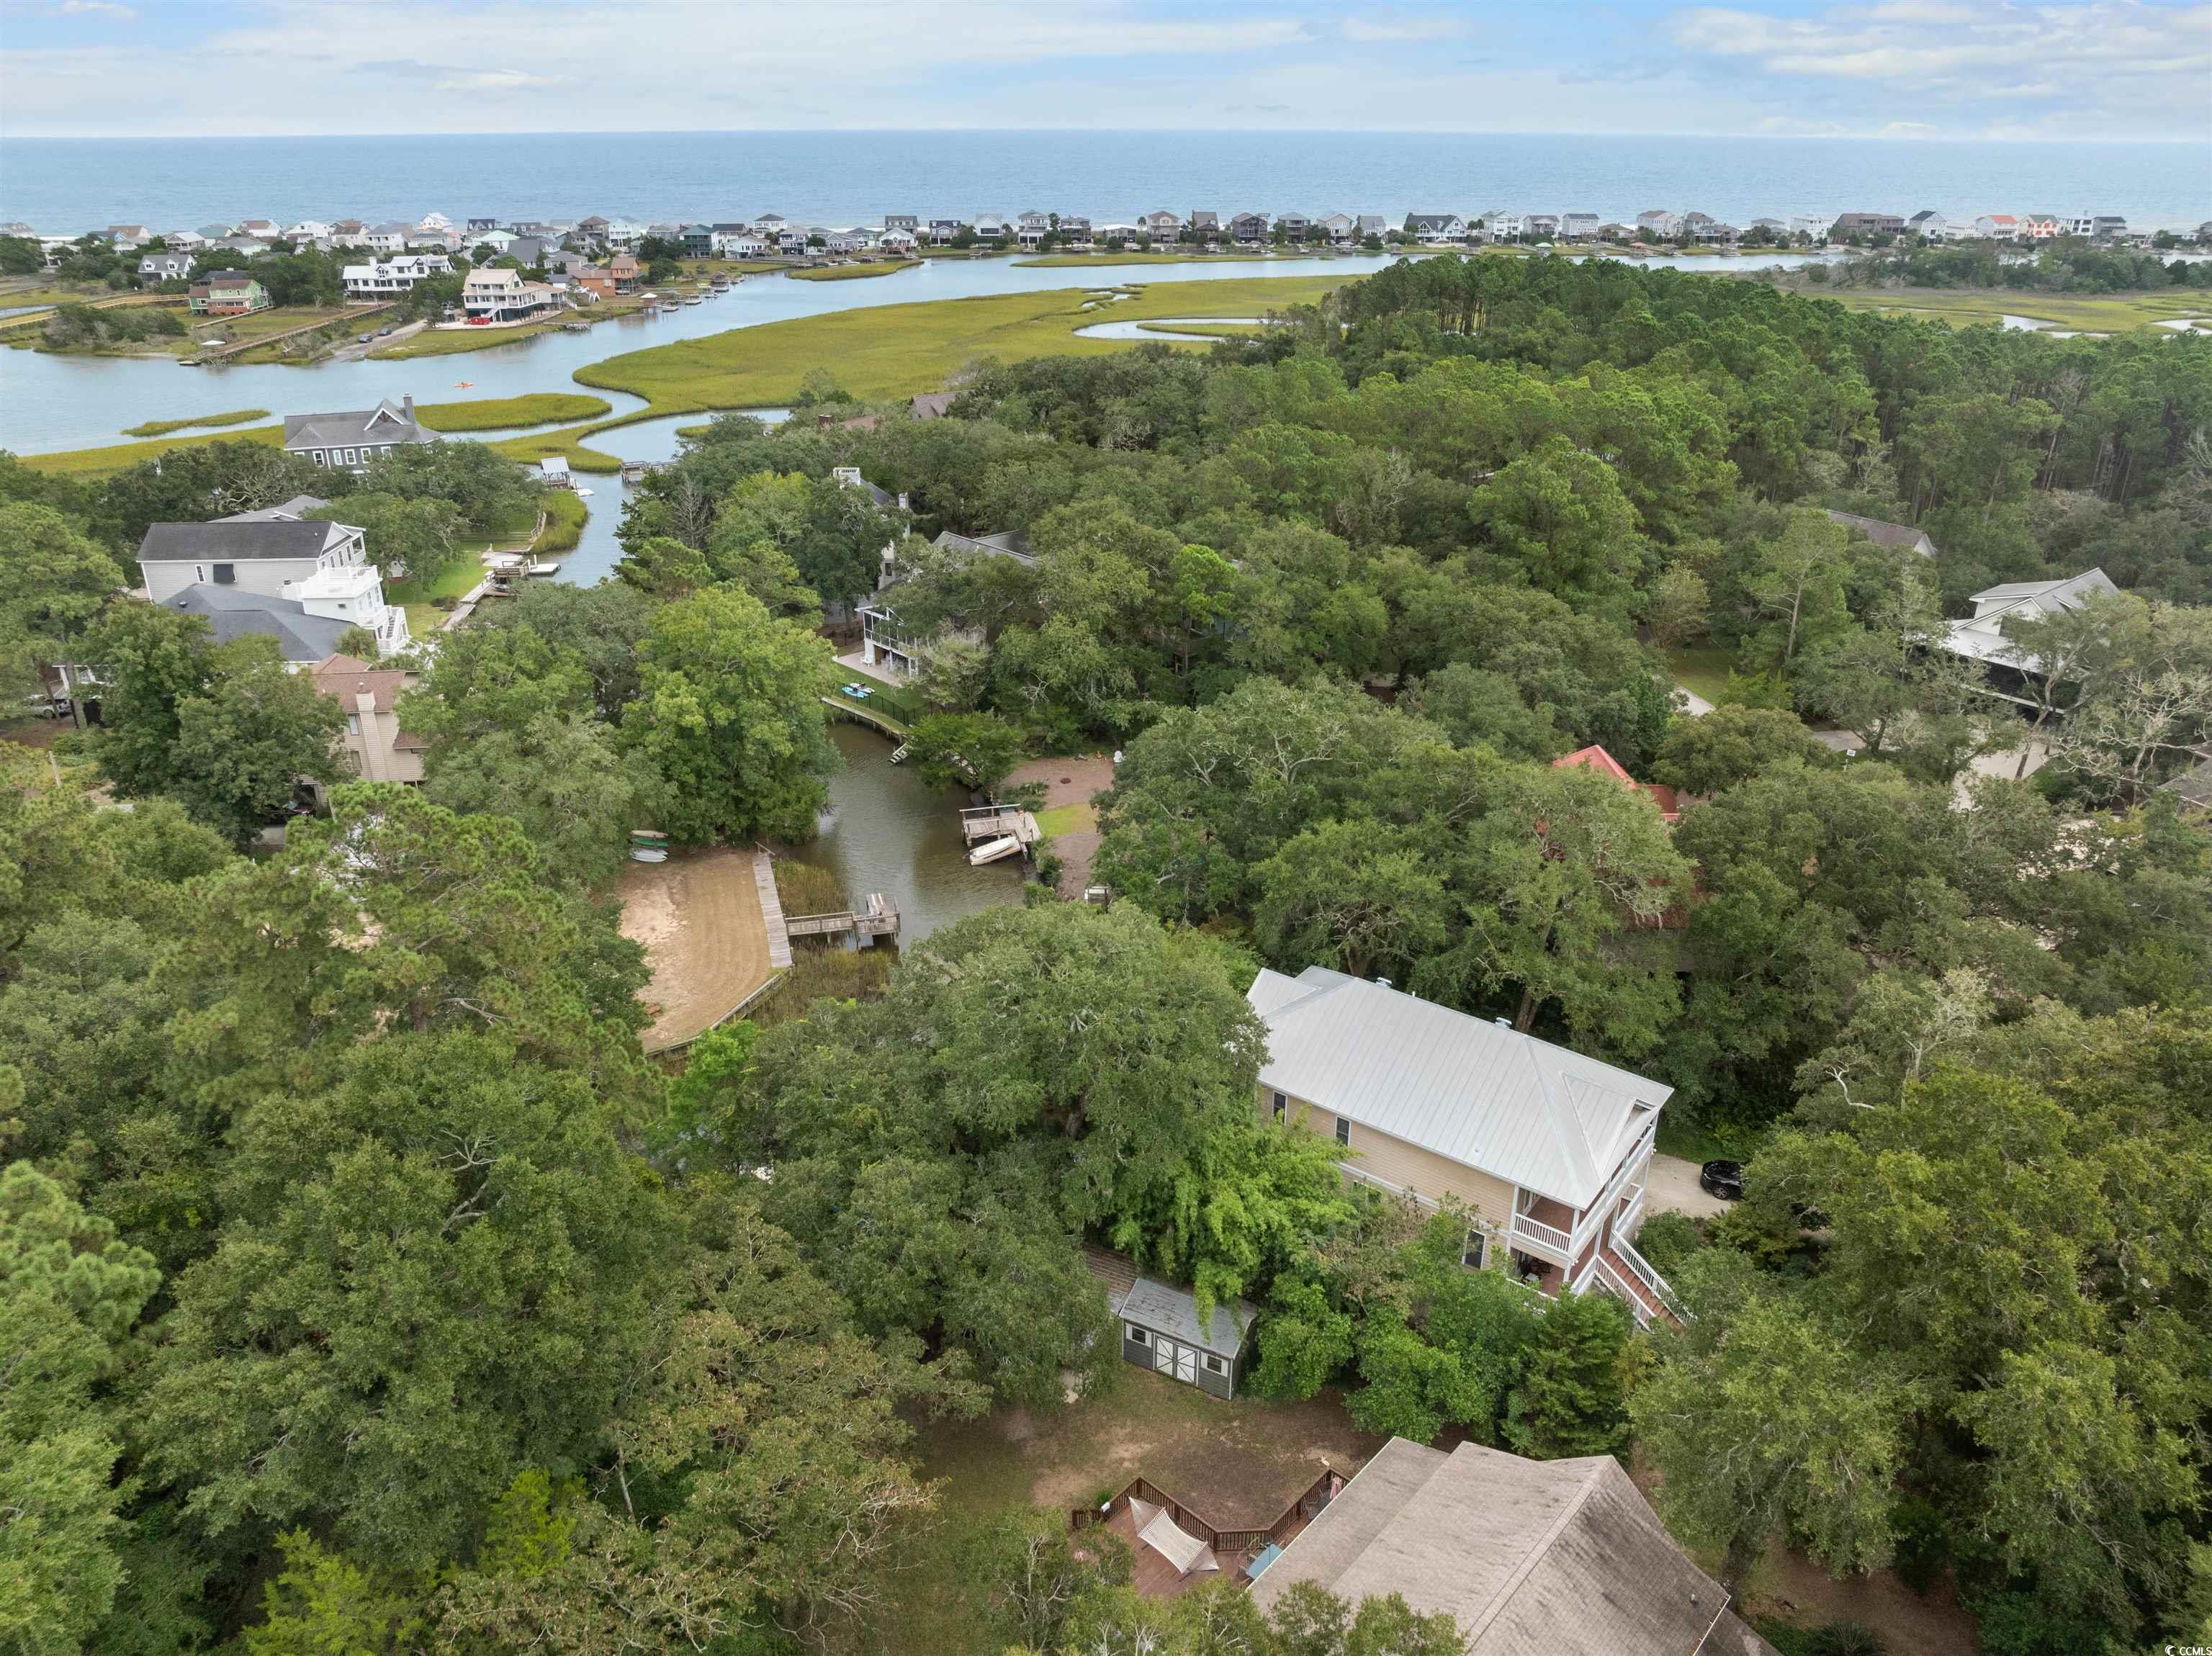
246 742
54 581
728 717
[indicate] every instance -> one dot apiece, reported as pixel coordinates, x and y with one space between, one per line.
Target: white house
1660 222
501 296
387 278
1341 228
1434 229
1997 226
1578 226
388 237
309 230
1981 636
165 267
1929 225
269 571
989 226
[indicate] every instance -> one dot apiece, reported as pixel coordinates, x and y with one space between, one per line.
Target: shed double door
1177 1361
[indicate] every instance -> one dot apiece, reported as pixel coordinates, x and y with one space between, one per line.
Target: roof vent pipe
1382 983
1502 1023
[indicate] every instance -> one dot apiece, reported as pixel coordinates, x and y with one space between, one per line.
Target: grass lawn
880 267
495 412
1076 261
1067 819
162 428
1702 668
47 293
2082 312
1226 1459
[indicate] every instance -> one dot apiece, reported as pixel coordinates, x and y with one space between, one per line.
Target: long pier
860 715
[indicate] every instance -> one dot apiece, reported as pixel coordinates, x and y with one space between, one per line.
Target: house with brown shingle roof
379 749
1530 1557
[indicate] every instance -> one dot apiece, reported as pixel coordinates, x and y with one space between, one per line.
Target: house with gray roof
349 441
305 639
1902 537
1529 1557
276 562
1546 1149
1436 227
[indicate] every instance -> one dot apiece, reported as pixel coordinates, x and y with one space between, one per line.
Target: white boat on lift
992 849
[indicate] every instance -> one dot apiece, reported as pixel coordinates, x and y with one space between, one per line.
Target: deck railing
1535 1230
1316 1497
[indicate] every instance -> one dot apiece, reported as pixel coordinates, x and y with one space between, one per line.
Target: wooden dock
1000 822
876 918
779 935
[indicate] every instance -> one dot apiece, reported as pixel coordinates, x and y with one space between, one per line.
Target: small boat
696 299
585 493
541 569
991 850
464 385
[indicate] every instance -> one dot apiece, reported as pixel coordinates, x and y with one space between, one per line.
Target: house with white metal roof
1980 637
1546 1148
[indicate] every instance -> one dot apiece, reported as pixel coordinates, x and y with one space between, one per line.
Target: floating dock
992 831
876 918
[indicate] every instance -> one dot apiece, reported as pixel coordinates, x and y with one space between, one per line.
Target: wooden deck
1155 1575
878 918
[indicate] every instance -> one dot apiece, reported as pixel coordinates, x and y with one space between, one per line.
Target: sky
1896 68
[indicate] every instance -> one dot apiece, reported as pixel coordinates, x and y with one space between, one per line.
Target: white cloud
1393 27
95 9
498 80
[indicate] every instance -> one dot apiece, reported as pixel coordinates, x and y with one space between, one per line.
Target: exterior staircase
1619 1269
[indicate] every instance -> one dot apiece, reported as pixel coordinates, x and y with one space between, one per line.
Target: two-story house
349 441
1434 229
300 580
165 267
388 278
1546 1149
226 293
375 746
1162 226
1248 229
502 295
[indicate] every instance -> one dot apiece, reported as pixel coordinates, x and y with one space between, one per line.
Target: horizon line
1083 131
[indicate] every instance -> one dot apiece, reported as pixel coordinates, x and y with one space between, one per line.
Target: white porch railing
1602 1269
1527 1229
1646 1272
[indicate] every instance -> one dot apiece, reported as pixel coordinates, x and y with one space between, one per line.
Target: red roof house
1595 758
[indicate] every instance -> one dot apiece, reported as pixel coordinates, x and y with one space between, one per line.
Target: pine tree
1570 1401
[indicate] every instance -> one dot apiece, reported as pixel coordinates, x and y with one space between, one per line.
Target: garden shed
1162 1331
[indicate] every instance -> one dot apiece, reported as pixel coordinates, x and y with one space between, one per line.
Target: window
1136 1335
1476 1254
1282 1107
1343 1132
199 572
225 574
1215 1366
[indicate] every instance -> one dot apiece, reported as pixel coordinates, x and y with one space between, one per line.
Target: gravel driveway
1672 1187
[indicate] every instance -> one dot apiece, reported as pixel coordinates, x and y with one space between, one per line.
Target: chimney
408 402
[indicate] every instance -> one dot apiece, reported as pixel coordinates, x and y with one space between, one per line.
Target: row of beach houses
771 235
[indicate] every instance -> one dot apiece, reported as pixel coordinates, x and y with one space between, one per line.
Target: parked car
1723 1179
365 339
384 333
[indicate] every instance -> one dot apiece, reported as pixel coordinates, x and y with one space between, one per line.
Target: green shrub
1668 1240
1845 1639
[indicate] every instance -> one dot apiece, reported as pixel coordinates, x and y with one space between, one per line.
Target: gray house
1162 1331
350 441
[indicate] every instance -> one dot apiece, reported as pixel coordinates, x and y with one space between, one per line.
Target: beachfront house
1074 231
1929 225
1865 224
1546 1149
349 233
1529 1557
1248 229
1433 230
990 227
349 441
1578 226
1295 227
1162 226
1373 224
226 293
1338 230
1997 226
388 278
390 238
1204 225
943 232
1659 223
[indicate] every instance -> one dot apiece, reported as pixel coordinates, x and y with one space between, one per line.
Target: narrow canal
887 830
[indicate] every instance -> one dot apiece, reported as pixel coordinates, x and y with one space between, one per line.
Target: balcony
1542 1227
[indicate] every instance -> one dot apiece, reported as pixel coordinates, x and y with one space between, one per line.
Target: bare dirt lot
1067 818
698 916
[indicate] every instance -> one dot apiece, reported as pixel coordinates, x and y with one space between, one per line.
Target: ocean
65 185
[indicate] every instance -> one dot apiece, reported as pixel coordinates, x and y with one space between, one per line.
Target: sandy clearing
698 917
